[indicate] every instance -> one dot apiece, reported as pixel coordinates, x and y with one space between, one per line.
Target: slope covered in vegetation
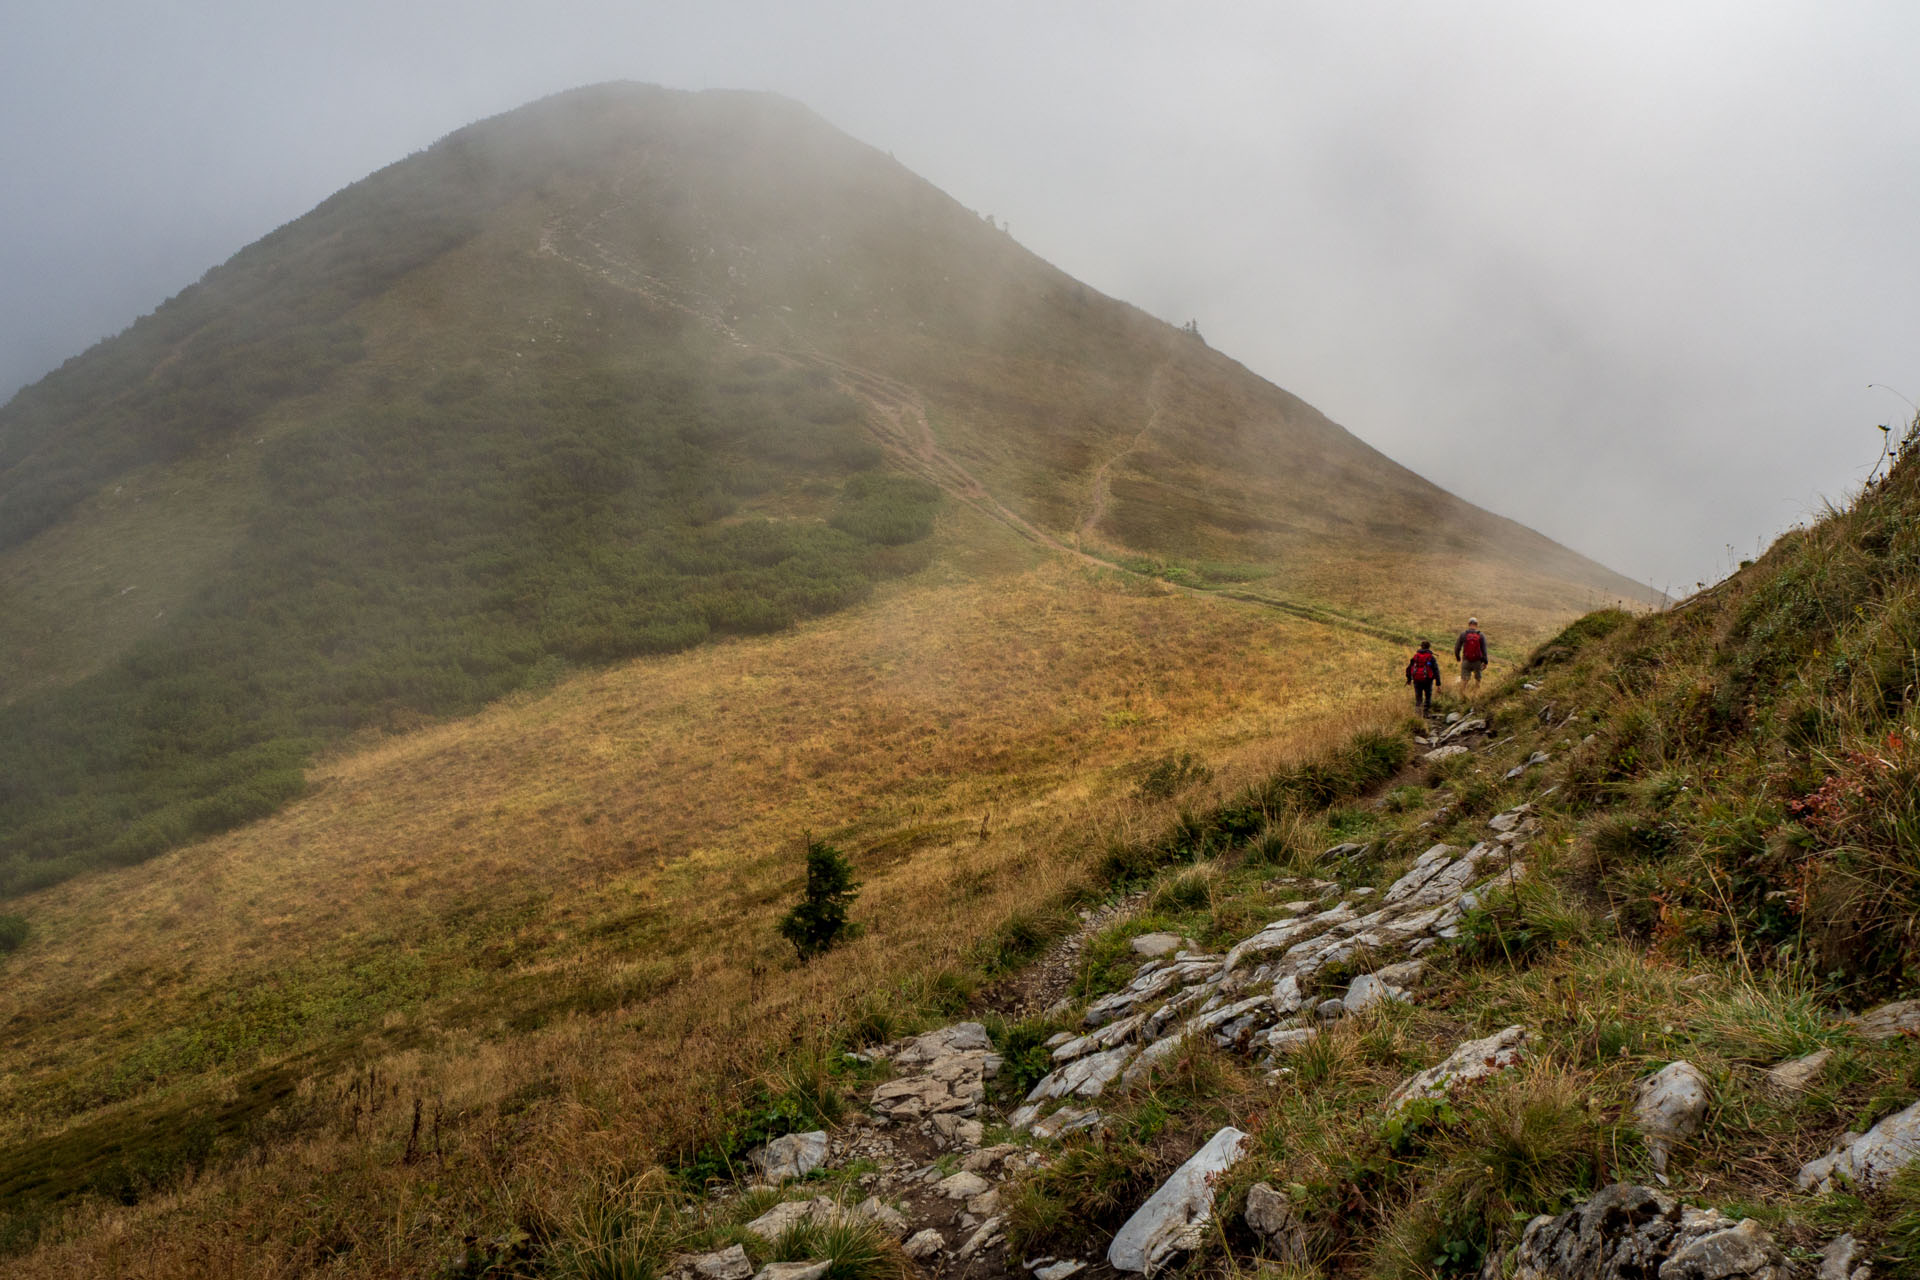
608 376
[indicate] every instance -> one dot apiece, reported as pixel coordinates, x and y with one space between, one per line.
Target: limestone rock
1901 1018
962 1186
778 1220
1086 1078
1630 1233
1174 1219
1868 1160
1065 1121
1271 1217
1474 1060
1796 1075
984 1237
793 1271
924 1244
961 1037
1286 1040
794 1156
1438 754
1142 1066
1368 990
730 1263
1154 945
1670 1108
1059 1270
1286 996
882 1215
957 1132
1841 1260
987 1159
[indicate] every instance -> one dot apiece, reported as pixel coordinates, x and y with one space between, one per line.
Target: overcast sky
1621 271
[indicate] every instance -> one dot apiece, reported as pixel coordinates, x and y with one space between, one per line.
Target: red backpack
1424 666
1473 647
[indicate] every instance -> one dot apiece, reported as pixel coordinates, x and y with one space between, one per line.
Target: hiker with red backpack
1470 651
1423 672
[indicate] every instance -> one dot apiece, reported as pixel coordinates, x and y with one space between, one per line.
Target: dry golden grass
572 897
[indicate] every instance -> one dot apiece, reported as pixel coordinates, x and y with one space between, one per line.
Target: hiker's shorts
1472 669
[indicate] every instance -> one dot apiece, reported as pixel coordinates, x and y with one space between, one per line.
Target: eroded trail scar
1100 491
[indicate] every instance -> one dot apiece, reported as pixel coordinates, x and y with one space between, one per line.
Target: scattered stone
1868 1160
1174 1219
1270 1216
1025 1116
1537 758
1058 1038
730 1263
794 1156
1368 990
962 1186
986 1204
1670 1108
924 1244
788 1214
1797 1074
793 1271
1059 1270
1142 1066
1328 1010
882 1215
1065 1121
1510 819
1439 754
1841 1261
1348 850
985 1236
987 1159
1901 1018
1474 1060
1086 1078
958 1132
1404 974
1286 1040
1630 1233
1286 996
1154 945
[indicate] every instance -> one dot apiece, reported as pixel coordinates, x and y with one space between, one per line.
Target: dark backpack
1424 666
1473 647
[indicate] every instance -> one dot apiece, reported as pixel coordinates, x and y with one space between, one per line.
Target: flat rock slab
794 1156
1086 1077
1153 945
1867 1160
1632 1233
783 1217
1059 1270
1174 1219
1796 1075
1901 1018
793 1271
1474 1060
962 1186
728 1264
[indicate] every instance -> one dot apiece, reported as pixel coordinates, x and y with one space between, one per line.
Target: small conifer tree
820 918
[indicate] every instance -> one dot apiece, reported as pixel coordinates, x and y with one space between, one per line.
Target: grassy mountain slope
1724 867
607 376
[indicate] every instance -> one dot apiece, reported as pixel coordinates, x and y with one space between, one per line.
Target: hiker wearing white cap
1470 651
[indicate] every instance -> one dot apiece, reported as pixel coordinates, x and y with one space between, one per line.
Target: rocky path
936 1183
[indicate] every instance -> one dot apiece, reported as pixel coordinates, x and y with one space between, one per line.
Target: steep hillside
1429 972
607 376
